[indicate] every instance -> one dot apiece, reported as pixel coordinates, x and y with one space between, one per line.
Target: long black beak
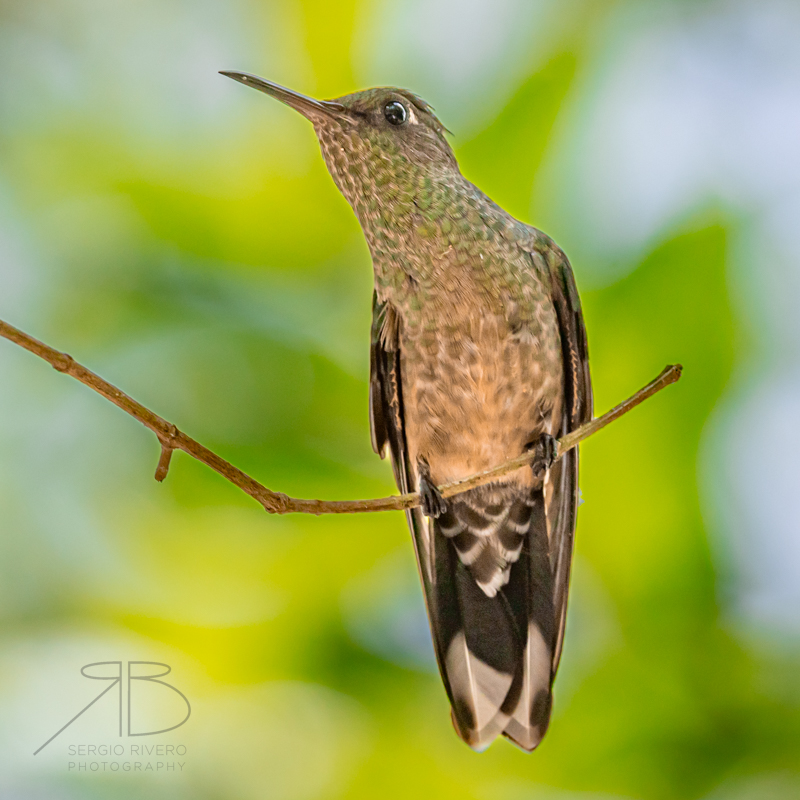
309 107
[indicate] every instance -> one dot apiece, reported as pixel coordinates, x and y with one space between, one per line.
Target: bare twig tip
163 462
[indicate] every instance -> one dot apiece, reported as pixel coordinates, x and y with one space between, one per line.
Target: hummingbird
478 354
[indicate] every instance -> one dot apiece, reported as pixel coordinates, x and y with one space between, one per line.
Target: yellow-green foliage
180 235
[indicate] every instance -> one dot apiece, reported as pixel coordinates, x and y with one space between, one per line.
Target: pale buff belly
479 395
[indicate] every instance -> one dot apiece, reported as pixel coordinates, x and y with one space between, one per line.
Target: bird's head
379 144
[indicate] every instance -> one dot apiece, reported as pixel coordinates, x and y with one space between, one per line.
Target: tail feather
493 608
475 643
530 590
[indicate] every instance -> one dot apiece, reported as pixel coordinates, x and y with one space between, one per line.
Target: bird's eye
395 113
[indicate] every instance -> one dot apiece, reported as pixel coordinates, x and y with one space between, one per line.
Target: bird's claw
431 500
546 450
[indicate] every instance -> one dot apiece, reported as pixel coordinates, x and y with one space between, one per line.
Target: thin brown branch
172 439
163 462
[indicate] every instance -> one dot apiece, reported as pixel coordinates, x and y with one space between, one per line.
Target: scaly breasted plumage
478 353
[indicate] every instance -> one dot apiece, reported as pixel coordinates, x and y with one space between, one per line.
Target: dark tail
491 608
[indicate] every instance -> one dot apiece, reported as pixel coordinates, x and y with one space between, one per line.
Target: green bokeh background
180 235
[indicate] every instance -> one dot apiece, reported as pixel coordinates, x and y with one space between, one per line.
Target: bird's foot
545 451
431 500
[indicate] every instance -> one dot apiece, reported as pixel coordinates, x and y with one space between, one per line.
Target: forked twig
172 439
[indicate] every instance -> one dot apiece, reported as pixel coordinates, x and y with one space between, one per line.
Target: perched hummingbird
478 354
